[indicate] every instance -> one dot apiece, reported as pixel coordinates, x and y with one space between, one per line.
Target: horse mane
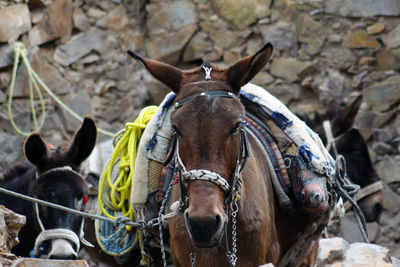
17 169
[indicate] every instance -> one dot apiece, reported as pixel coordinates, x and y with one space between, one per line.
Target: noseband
230 190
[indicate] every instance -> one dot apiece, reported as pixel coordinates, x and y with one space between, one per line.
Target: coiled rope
115 186
35 82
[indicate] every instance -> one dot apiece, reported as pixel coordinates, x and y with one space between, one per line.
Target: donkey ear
165 73
84 141
244 70
349 114
36 150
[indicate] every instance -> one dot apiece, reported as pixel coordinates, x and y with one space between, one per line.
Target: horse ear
244 70
35 150
165 73
84 141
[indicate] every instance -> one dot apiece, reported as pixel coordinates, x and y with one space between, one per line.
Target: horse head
211 144
58 181
348 141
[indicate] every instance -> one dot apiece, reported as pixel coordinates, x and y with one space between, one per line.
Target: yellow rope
35 81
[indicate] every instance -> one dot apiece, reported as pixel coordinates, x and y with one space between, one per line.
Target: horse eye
236 128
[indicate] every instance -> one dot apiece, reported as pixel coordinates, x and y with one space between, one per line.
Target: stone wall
323 50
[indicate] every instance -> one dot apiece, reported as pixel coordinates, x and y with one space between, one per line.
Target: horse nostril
203 230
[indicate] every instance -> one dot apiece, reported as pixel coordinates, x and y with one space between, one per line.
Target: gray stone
381 96
281 34
14 21
305 5
169 49
6 55
312 33
392 40
331 250
3 97
226 39
366 121
81 45
363 8
50 76
351 232
341 57
10 224
27 262
361 39
242 13
388 169
172 16
55 24
387 60
290 69
80 20
82 105
116 19
363 254
285 92
11 148
391 201
197 47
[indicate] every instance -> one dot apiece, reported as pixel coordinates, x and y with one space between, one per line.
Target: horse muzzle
205 232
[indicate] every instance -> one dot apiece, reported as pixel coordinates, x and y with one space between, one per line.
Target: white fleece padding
298 131
160 124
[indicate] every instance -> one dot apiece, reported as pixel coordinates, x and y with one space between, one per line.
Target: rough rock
80 45
376 28
14 21
226 39
388 169
172 16
196 47
6 55
387 60
312 33
290 69
305 5
49 74
392 40
361 39
366 121
55 24
28 262
10 224
11 148
169 48
381 96
281 34
241 13
363 8
391 202
341 57
82 105
337 252
80 20
116 19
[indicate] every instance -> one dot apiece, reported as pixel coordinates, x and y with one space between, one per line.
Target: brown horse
50 174
348 141
211 153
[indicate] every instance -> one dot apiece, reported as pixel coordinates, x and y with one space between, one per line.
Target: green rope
34 82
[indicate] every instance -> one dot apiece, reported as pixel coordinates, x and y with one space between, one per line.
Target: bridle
58 233
231 190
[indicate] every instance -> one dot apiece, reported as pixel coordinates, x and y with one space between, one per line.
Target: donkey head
208 120
350 143
58 181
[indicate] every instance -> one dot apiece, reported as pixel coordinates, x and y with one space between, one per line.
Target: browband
179 104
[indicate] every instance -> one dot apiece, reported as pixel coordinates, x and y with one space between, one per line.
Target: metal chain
160 214
231 255
192 258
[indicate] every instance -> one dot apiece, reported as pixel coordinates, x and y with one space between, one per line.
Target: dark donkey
348 141
211 152
50 174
